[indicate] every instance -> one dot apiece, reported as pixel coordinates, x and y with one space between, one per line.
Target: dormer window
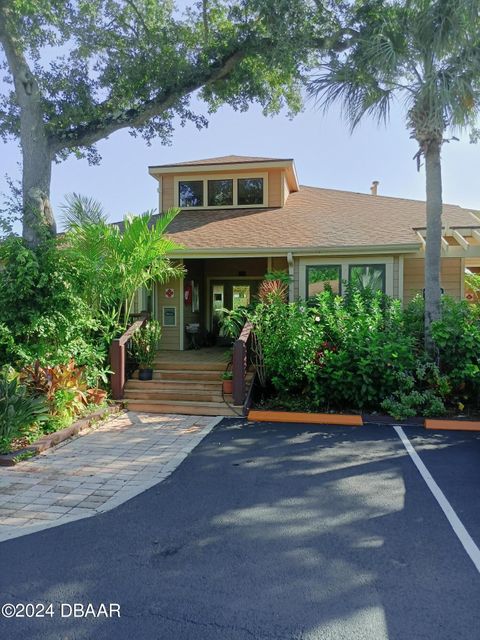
221 191
250 191
190 193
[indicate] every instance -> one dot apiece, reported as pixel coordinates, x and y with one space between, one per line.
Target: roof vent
374 187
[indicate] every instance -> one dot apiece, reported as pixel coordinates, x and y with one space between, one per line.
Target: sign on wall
169 293
169 317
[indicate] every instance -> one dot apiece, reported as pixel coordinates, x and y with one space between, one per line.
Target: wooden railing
118 361
240 362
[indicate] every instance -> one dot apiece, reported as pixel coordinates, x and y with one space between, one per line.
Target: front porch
190 310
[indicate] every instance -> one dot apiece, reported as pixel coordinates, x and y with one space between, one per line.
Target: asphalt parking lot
270 532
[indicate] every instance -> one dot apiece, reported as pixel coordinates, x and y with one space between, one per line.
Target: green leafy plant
19 411
145 343
113 263
226 375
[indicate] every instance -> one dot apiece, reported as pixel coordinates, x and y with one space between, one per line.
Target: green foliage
114 261
19 411
363 351
233 320
42 315
78 210
145 343
420 392
148 57
330 351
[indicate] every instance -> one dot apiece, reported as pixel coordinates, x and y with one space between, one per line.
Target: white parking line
462 534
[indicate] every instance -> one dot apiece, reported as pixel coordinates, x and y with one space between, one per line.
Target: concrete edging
307 418
452 425
51 439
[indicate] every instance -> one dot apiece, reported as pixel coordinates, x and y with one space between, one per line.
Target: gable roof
313 218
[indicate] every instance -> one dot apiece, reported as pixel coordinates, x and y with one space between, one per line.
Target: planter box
52 439
306 418
452 425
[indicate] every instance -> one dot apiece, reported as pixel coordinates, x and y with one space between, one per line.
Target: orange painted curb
308 418
452 425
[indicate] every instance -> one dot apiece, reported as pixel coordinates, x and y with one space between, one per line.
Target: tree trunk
38 220
433 246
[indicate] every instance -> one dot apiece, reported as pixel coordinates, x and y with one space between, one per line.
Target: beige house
242 217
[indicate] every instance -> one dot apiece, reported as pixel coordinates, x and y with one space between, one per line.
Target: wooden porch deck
215 358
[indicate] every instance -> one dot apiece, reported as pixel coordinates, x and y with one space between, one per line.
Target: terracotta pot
228 386
96 396
145 374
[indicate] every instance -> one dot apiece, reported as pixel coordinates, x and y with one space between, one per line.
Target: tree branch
97 129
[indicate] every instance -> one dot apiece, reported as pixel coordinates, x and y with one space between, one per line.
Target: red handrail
117 358
240 364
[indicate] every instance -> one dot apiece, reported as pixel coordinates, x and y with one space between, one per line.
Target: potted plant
227 378
144 347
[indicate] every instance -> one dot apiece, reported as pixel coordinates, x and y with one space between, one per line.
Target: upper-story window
218 191
190 193
250 191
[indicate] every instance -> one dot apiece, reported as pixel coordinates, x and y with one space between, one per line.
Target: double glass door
230 294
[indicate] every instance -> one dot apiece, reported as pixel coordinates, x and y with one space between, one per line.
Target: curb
306 418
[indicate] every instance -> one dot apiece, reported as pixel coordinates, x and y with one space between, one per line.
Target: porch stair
184 383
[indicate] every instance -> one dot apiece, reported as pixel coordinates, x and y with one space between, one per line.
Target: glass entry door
230 295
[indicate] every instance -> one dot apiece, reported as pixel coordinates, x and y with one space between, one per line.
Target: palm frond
79 209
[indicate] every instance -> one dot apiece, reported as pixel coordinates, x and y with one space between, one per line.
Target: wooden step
160 363
183 407
188 374
192 395
163 384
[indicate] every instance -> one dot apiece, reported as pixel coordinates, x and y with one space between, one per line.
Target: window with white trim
367 276
320 277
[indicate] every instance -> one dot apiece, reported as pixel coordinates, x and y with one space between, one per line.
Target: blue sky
325 153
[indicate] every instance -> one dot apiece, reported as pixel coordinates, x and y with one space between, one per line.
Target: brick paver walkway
96 471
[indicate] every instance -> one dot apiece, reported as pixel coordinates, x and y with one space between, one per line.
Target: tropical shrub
330 350
19 411
422 392
363 351
113 262
42 317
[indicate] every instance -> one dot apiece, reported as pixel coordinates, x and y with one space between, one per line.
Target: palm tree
427 53
78 210
114 261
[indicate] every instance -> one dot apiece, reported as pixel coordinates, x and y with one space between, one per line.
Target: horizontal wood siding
413 277
275 177
167 192
170 339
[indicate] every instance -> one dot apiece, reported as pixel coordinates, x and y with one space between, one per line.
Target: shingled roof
312 218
